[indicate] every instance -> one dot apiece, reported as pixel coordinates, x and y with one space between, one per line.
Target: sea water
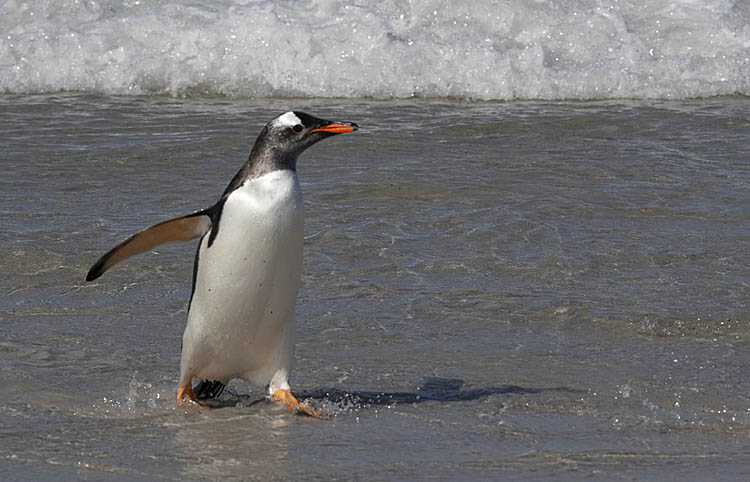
500 50
516 290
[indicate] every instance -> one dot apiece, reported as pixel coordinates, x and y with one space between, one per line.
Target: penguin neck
266 157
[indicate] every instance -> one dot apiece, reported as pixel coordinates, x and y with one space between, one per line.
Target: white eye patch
287 120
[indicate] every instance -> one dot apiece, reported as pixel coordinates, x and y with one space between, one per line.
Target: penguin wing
183 228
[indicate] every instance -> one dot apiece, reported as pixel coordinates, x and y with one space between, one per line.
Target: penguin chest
246 282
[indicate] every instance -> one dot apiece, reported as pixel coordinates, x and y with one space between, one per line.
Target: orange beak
336 128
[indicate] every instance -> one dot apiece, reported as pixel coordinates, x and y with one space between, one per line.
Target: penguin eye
298 128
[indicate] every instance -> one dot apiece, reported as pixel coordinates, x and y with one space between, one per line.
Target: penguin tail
208 389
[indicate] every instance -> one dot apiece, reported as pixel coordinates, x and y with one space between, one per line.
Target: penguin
247 268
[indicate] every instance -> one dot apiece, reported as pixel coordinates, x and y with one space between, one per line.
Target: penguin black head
299 125
288 135
281 142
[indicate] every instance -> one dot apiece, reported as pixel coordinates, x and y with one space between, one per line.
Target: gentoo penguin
247 268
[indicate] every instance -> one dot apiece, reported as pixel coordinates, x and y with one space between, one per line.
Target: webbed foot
186 398
290 402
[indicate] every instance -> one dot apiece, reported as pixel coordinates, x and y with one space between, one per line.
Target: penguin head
289 134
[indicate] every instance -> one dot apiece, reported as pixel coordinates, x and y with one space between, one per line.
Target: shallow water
519 290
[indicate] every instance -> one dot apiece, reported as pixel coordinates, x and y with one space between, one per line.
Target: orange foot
286 397
186 398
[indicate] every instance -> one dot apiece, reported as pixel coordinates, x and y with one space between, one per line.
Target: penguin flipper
183 228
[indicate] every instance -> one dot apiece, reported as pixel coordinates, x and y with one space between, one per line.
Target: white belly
241 319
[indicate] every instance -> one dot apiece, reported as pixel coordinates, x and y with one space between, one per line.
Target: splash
488 50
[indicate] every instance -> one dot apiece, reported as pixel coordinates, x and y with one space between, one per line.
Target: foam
516 49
